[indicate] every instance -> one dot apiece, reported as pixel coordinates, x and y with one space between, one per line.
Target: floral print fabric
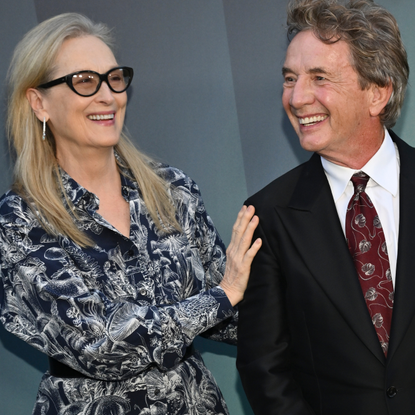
123 312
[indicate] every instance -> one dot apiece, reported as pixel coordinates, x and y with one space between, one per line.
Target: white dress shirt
382 188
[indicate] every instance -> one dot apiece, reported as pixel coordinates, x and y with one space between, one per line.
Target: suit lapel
312 221
404 304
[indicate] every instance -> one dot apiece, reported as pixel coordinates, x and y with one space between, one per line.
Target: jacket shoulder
279 191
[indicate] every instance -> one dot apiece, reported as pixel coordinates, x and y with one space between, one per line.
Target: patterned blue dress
124 312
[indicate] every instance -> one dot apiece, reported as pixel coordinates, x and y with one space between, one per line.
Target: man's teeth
312 120
101 117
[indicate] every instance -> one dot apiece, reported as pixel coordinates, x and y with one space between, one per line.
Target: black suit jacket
307 344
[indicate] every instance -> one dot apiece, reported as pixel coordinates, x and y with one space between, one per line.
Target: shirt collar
74 191
382 168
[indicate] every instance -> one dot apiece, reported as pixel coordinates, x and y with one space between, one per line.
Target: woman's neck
96 172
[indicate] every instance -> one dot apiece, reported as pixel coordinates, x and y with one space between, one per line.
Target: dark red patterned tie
368 249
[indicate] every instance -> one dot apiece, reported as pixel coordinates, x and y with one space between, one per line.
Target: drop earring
44 129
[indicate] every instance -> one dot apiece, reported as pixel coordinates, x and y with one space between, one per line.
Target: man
323 329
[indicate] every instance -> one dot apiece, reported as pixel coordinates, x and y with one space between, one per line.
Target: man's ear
380 98
36 101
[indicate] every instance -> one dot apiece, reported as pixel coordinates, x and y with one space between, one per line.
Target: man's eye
320 78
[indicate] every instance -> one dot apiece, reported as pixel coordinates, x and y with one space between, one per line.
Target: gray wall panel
403 10
257 44
21 366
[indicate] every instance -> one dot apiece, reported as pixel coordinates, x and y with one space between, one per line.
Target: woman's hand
240 254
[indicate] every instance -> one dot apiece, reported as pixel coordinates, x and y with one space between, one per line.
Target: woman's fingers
243 215
240 254
244 227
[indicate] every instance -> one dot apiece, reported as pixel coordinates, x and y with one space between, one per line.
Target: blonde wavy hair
36 172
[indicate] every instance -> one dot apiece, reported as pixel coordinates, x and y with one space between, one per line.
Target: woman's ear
380 98
36 101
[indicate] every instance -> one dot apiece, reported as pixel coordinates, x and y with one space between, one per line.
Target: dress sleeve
212 252
45 299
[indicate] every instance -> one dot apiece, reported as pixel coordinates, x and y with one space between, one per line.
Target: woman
110 263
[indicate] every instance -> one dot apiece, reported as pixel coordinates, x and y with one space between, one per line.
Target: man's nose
302 93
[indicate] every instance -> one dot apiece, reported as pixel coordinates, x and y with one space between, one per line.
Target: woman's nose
104 93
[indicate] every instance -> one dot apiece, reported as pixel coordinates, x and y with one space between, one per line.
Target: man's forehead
313 55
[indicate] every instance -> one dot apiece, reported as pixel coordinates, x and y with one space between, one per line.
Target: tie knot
359 181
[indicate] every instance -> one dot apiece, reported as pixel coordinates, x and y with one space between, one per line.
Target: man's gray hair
374 39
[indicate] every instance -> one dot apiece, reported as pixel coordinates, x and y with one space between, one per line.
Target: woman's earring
44 129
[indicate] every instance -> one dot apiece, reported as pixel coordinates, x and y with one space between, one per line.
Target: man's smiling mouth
312 120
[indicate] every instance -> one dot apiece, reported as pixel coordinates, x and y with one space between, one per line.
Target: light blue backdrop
205 98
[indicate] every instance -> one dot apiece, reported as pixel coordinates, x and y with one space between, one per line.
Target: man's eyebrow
286 70
317 70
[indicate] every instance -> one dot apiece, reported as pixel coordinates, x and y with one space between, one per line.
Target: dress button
143 291
391 391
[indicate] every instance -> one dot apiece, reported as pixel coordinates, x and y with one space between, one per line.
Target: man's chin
308 144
